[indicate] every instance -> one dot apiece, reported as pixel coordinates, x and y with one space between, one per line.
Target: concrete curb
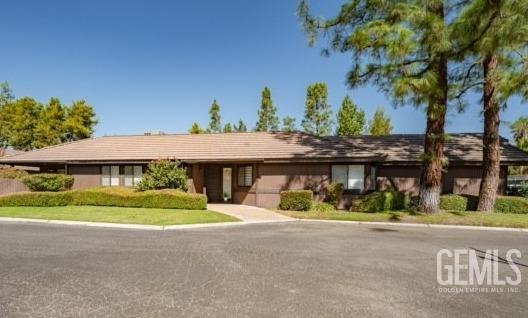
136 226
440 226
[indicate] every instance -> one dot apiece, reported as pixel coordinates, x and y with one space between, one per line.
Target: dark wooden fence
8 186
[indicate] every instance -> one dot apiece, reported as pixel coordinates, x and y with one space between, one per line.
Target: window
133 174
245 176
110 176
351 176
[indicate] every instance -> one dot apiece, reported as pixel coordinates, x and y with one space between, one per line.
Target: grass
117 215
444 217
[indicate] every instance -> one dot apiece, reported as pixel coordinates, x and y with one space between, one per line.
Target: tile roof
257 146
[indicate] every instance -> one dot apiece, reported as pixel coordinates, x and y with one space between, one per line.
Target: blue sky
157 65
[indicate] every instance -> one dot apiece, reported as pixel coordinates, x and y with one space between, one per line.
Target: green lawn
117 215
455 218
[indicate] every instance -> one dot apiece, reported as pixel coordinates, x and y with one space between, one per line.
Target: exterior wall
86 176
10 186
399 178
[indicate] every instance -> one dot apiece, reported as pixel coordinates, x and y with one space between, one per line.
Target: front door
227 184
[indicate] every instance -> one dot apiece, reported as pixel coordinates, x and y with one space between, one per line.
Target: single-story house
253 168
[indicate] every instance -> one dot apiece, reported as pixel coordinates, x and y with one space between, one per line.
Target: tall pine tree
267 114
350 119
196 129
241 126
317 112
215 125
288 124
380 125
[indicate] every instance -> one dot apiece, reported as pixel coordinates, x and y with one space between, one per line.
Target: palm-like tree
519 129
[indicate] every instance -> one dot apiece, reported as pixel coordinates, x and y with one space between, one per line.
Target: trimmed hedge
322 207
296 200
382 201
117 197
457 202
48 182
517 205
12 173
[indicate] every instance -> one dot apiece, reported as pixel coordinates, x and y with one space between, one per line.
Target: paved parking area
290 269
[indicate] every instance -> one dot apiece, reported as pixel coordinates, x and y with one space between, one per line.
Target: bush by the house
12 173
296 200
164 174
517 205
457 202
118 197
322 207
48 182
334 193
44 199
521 190
126 197
382 201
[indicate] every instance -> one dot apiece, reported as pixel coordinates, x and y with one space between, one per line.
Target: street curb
422 225
137 226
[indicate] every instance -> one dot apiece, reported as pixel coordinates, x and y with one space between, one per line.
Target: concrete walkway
248 213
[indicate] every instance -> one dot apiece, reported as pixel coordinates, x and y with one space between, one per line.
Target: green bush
48 182
12 173
517 205
296 200
164 174
126 197
334 193
322 207
45 199
382 201
118 197
457 202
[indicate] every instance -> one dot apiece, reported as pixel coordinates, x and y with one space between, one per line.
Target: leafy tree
350 119
215 125
50 127
288 124
403 48
228 128
196 129
20 118
380 125
267 114
164 174
80 121
241 126
492 41
317 113
6 96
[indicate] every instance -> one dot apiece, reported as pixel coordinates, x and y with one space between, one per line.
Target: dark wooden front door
212 183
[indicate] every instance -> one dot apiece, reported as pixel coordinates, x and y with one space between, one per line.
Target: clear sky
157 65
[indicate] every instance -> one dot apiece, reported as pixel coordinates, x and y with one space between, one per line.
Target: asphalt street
295 269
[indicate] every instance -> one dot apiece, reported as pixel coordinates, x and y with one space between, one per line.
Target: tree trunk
433 158
491 141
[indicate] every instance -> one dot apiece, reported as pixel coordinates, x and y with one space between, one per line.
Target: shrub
126 197
457 202
296 200
521 190
164 174
517 205
48 182
12 173
118 197
323 207
382 201
334 193
37 199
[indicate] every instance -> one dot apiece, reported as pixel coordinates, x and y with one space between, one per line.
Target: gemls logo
464 267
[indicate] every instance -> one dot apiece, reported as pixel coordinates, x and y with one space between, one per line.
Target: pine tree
403 48
267 114
228 128
80 121
317 113
241 126
196 129
6 96
288 124
50 128
380 124
215 125
350 119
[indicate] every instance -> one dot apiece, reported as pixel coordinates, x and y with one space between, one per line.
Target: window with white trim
351 176
245 176
133 175
110 176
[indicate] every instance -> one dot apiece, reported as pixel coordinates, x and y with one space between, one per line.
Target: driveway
248 213
291 269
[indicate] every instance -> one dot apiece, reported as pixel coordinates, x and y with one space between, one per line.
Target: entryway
218 181
248 213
